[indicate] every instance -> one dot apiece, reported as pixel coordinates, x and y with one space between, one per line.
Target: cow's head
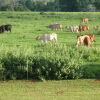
38 37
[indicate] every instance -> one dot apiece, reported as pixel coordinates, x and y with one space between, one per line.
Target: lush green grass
28 25
21 41
50 90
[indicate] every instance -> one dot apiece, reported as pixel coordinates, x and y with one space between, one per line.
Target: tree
97 5
78 5
69 5
29 4
40 6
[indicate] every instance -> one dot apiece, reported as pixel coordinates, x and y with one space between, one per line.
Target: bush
21 8
42 13
60 62
49 62
15 66
91 71
7 8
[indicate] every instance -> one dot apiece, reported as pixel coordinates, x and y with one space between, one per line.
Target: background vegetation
50 5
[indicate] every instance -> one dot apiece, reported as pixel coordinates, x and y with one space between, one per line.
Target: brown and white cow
72 28
87 40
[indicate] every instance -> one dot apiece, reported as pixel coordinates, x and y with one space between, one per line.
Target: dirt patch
97 80
60 92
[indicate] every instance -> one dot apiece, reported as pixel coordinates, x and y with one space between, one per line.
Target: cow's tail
86 41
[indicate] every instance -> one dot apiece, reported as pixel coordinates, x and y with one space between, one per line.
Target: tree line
56 5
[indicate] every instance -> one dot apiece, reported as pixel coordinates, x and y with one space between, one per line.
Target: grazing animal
96 27
55 26
83 28
7 27
2 29
87 40
84 20
47 37
72 28
91 37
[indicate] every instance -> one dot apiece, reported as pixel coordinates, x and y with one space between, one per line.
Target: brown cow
83 28
84 20
91 37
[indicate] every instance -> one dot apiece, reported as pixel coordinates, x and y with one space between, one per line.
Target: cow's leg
10 30
78 43
55 39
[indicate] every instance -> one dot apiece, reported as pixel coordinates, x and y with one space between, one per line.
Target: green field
50 90
28 25
19 47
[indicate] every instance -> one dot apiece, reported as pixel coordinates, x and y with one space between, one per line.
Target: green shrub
48 62
57 62
2 70
21 8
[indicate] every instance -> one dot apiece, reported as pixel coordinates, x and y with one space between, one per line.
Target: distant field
28 25
50 90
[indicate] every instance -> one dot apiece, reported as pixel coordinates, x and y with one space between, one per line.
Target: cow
83 28
2 29
87 40
96 27
84 20
91 37
72 28
47 37
55 26
7 27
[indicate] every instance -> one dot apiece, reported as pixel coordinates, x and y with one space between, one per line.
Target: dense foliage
50 5
60 62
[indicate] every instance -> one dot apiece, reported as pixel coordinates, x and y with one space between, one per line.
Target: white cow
96 27
47 37
72 28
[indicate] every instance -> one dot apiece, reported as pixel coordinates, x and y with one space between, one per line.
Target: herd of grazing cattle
86 39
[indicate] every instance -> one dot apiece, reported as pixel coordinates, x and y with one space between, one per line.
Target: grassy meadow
50 90
28 25
19 47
